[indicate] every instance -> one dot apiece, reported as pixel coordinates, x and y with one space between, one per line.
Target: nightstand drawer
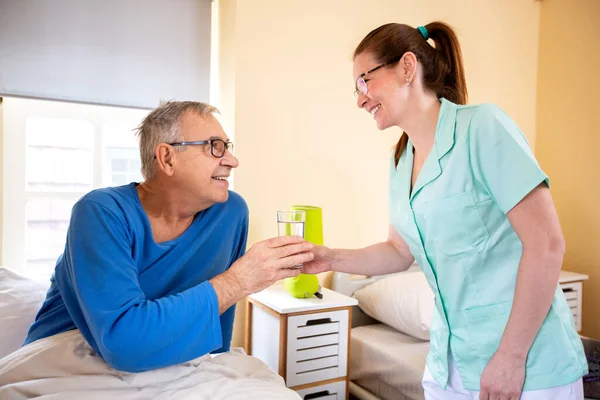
317 347
316 364
318 327
311 353
332 391
570 294
315 341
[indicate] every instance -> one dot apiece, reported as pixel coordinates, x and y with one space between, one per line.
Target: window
53 147
53 154
121 154
47 222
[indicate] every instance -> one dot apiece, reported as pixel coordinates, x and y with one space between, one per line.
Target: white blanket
66 367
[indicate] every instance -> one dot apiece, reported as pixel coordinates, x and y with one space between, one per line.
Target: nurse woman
469 202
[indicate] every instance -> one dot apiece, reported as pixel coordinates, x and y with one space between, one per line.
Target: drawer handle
316 395
319 321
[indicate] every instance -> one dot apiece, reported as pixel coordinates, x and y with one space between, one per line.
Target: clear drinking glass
291 223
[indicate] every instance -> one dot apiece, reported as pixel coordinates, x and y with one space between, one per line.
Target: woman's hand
503 377
322 261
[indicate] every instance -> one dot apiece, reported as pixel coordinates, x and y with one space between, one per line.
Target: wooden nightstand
571 284
305 340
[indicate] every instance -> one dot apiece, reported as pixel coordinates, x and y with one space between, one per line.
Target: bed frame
347 284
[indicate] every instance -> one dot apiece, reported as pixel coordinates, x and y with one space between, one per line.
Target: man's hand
503 377
271 260
265 263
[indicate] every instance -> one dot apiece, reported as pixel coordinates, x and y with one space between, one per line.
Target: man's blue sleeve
132 333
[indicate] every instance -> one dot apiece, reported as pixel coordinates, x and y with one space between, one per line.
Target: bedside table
305 340
571 284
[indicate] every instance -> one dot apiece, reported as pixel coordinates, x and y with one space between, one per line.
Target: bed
387 354
77 372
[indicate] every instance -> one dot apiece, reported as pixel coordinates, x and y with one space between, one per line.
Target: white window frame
14 193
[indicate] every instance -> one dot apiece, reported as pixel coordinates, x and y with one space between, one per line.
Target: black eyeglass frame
226 145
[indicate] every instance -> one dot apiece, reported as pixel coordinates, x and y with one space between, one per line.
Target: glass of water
291 223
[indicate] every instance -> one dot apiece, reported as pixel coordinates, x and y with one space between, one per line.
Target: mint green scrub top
455 225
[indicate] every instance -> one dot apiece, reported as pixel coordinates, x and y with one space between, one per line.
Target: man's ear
165 158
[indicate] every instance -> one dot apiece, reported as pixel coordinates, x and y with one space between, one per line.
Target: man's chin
223 197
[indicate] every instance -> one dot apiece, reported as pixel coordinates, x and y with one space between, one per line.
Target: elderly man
151 271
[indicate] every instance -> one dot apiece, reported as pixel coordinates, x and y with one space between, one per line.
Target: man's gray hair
164 125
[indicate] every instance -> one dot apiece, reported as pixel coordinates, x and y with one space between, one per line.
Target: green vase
306 285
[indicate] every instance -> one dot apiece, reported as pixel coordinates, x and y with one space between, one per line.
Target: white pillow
20 300
403 301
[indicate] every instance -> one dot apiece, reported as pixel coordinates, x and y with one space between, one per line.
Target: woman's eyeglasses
361 84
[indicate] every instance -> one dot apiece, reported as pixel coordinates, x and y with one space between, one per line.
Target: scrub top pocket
455 226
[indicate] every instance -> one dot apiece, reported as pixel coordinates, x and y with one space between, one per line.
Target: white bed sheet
387 363
65 367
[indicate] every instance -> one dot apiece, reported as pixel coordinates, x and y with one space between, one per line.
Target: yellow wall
568 137
300 137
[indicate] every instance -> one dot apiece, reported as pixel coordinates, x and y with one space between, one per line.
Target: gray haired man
152 271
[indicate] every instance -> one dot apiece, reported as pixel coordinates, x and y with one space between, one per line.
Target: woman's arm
387 257
536 223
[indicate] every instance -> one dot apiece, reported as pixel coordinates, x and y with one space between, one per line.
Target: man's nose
229 160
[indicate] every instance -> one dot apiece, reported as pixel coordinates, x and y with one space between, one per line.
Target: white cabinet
317 347
305 340
571 284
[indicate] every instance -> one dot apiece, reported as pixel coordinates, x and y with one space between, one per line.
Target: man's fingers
283 241
291 249
289 272
297 259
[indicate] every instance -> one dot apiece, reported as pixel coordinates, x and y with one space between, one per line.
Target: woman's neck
421 124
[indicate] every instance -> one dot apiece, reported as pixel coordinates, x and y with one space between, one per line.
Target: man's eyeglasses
361 84
218 147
